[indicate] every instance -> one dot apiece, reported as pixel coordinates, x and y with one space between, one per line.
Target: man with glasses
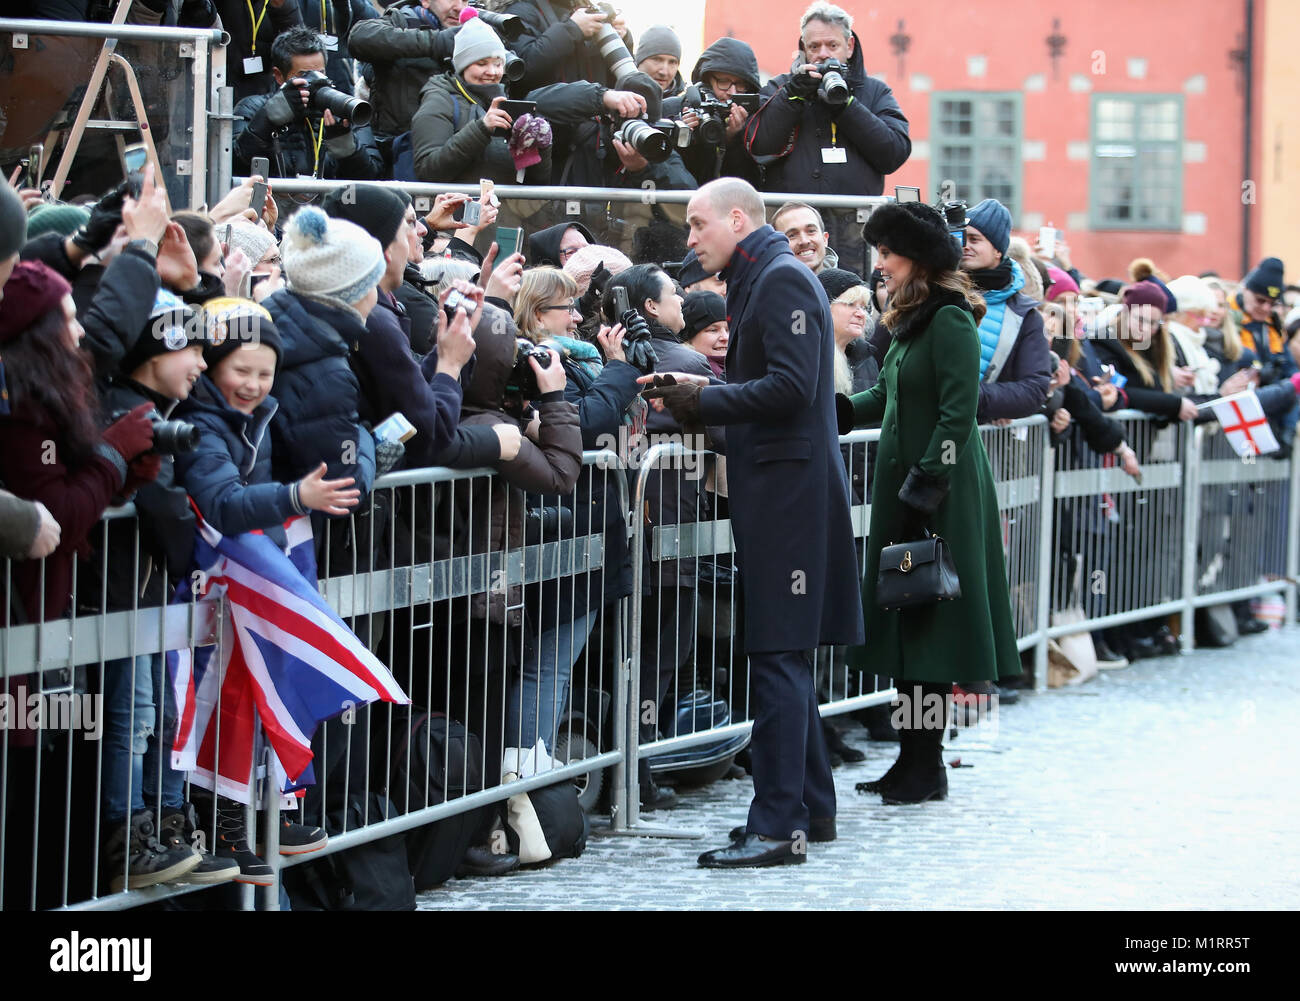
727 67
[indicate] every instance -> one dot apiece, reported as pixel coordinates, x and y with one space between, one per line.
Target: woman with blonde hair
1137 344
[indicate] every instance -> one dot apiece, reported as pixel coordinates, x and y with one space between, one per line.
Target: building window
1137 162
975 145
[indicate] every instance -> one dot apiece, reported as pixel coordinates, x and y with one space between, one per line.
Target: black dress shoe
751 852
655 797
819 829
479 860
835 745
1248 626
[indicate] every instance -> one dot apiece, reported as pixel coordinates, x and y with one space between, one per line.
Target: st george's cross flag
283 659
1243 422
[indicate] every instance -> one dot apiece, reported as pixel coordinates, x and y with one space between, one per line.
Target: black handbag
916 573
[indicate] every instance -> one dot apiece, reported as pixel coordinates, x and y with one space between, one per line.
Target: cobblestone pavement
1169 784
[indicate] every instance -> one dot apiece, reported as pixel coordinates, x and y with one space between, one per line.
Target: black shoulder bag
916 573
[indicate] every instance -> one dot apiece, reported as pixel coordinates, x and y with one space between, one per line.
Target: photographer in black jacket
588 150
409 44
727 67
560 42
288 127
828 136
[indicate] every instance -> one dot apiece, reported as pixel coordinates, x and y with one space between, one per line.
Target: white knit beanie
254 241
330 257
474 41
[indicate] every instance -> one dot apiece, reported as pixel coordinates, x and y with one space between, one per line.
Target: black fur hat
914 230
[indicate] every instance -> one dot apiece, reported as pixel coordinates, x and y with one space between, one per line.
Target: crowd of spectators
287 340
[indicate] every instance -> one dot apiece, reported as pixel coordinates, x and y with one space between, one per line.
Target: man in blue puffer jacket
333 269
1015 362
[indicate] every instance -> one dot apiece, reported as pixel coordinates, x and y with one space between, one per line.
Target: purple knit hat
529 135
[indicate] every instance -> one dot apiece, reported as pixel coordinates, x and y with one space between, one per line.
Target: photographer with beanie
1015 364
461 133
659 56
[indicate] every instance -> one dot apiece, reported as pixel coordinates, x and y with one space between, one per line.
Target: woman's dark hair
198 231
642 281
917 287
46 374
296 41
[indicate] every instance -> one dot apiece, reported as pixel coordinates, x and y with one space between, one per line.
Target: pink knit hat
1061 283
580 266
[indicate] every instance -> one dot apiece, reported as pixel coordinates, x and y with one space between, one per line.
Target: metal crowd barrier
418 575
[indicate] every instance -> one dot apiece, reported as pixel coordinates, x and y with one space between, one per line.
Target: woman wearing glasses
603 386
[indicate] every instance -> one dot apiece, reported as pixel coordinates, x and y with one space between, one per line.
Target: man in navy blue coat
789 499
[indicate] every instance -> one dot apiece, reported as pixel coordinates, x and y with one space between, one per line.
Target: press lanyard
257 20
465 92
324 20
317 140
833 134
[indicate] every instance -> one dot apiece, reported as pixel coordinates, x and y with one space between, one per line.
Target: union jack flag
283 659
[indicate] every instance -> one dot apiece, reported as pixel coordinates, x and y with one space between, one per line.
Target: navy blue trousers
792 770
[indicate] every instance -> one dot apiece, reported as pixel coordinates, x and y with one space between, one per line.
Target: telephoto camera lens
647 140
341 105
514 68
507 26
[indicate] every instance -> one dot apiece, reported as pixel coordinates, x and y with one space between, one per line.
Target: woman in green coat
931 471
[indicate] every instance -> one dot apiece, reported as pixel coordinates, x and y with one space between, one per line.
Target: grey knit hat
13 223
657 40
328 257
475 40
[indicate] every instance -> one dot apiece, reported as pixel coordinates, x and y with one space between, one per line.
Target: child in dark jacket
228 475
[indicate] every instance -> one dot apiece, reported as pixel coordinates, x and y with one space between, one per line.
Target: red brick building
1121 124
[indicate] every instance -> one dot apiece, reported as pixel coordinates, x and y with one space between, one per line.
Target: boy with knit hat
159 369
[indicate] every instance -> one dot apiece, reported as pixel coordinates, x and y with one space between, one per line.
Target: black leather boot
923 776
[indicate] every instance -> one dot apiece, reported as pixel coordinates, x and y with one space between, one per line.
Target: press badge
253 64
834 154
331 42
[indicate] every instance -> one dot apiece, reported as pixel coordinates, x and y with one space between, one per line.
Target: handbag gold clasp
906 565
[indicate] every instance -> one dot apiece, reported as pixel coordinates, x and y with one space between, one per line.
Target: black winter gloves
923 492
637 348
843 413
802 85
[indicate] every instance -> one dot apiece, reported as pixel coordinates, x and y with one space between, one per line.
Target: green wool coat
925 403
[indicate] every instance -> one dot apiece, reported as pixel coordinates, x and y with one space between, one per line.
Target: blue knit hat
1265 278
992 219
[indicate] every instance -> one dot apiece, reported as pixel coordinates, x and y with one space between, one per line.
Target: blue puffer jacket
1021 386
229 474
318 392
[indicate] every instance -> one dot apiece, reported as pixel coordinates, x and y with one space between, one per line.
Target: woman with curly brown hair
925 403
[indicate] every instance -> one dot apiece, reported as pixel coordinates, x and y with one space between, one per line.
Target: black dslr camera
522 382
954 214
507 26
714 112
169 437
833 90
653 140
341 105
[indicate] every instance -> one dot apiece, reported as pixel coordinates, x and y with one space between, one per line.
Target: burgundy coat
76 497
